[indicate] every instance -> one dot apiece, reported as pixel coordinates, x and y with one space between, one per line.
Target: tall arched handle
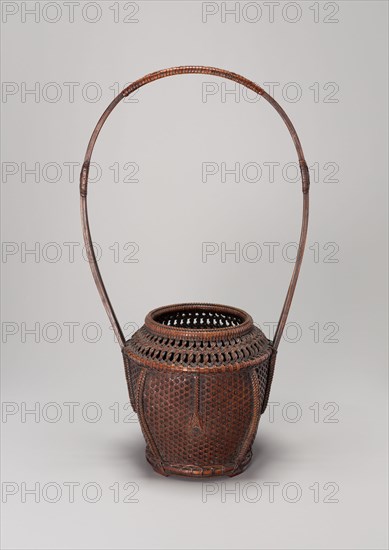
84 186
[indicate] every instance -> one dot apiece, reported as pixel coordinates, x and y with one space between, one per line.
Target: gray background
326 441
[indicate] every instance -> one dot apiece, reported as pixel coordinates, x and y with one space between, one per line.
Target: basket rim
158 328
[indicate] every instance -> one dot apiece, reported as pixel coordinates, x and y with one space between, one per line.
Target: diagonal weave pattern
224 416
198 392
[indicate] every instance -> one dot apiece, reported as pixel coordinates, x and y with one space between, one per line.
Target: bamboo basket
198 375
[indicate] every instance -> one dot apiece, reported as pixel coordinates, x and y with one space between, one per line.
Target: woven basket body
199 375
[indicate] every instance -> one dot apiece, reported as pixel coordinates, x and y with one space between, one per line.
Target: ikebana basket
199 375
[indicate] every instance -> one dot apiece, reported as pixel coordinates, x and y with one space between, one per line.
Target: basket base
191 470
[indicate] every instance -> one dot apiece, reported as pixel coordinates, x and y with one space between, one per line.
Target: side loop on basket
85 172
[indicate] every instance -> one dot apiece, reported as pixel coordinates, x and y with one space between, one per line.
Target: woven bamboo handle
84 186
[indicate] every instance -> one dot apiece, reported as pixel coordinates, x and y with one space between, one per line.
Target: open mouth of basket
197 317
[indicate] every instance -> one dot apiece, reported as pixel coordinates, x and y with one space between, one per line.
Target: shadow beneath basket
266 451
133 452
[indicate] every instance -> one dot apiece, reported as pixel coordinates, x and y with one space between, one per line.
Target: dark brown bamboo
199 376
84 185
